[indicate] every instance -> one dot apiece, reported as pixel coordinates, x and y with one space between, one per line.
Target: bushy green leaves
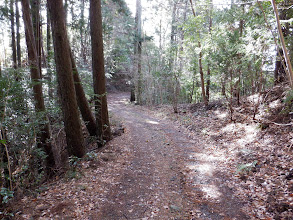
6 194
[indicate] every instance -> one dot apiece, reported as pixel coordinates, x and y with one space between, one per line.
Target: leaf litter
193 165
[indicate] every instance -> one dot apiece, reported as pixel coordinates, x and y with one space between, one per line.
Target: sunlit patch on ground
221 114
248 132
211 191
205 169
152 122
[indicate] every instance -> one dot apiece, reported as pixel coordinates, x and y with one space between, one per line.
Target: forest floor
193 165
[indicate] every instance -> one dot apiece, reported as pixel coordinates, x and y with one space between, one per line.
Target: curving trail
155 170
168 174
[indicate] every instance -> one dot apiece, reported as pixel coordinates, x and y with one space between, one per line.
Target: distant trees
226 51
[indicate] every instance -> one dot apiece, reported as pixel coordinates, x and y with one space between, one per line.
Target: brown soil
157 169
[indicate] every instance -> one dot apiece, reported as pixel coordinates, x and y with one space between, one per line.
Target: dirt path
154 185
156 170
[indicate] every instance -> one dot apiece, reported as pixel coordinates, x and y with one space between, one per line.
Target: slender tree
138 52
209 12
35 9
49 56
200 65
284 49
81 32
201 75
13 44
99 79
18 47
173 88
74 136
44 134
82 101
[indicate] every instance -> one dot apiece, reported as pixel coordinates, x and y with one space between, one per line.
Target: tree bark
35 9
209 70
138 51
200 66
13 44
286 55
44 135
208 83
99 79
205 101
49 56
72 124
17 34
66 10
173 56
132 93
82 101
81 32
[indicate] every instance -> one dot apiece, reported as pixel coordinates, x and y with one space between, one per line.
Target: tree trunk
99 79
17 34
208 83
49 56
201 77
82 102
200 66
286 55
44 134
138 51
74 136
173 56
209 70
13 44
81 32
132 93
66 10
35 9
139 73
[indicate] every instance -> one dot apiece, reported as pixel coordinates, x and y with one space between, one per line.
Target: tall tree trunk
81 32
17 34
280 72
173 56
74 136
82 102
138 51
49 57
35 9
210 33
44 135
139 73
286 55
99 79
66 10
200 65
13 44
205 101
